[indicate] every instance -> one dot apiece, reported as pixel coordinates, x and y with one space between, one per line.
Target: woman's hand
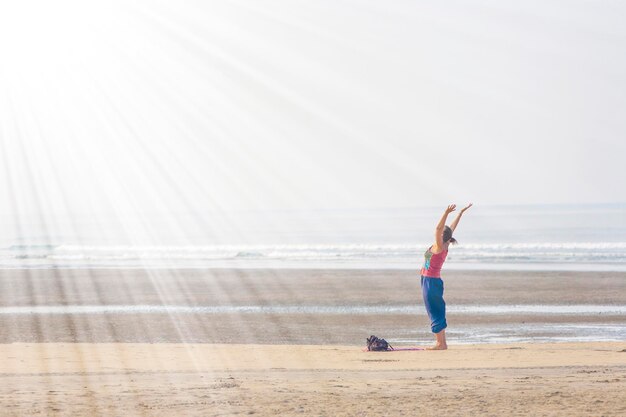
465 208
451 208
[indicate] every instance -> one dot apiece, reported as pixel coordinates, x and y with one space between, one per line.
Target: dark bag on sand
374 343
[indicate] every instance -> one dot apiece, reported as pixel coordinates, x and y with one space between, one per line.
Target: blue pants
432 291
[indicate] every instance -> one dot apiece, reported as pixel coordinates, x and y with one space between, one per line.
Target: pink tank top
433 263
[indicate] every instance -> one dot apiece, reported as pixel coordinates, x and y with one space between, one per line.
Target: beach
208 208
55 379
265 342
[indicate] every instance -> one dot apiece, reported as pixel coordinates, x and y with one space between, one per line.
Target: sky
170 106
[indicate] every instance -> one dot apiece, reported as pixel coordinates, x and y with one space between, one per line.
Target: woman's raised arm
455 223
441 225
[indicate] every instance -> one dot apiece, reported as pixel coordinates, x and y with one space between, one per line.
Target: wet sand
283 288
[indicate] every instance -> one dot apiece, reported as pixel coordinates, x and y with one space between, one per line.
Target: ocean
494 238
548 237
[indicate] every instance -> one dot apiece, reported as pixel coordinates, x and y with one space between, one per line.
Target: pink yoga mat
400 349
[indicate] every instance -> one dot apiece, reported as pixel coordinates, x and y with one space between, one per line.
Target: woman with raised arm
432 284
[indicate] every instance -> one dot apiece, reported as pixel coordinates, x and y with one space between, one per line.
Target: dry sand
574 379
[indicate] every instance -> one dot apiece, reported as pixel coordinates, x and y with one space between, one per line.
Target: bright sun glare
134 106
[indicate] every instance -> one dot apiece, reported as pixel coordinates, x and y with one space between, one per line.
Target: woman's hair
447 235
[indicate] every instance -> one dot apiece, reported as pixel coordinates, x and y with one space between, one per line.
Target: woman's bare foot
437 347
440 344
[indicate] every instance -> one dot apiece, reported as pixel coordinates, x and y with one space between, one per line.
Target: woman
432 284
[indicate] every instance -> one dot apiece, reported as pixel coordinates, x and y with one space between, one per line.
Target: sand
283 287
156 364
570 379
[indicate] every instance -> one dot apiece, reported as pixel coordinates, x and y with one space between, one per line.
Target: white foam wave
485 253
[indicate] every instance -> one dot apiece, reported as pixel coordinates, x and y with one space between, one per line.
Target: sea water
563 237
568 327
554 237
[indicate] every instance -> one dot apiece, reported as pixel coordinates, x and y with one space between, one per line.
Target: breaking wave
111 255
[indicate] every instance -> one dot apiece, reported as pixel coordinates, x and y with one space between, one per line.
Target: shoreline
341 307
